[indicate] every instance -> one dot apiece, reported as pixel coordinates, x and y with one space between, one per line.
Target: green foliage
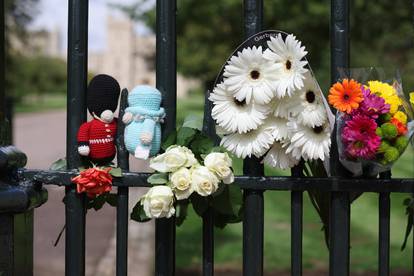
409 211
116 172
208 32
158 179
138 213
98 202
36 76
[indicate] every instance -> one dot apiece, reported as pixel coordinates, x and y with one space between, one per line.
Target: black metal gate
254 183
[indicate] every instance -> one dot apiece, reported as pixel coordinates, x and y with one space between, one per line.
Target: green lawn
36 104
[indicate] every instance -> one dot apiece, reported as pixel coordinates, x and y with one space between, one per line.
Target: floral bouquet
190 171
374 124
268 103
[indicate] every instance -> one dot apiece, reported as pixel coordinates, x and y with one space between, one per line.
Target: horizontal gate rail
282 183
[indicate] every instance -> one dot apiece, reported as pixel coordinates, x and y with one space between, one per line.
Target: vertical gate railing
254 183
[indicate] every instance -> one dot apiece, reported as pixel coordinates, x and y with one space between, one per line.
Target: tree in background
28 75
208 31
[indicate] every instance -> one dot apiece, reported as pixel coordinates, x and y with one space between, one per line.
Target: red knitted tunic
100 136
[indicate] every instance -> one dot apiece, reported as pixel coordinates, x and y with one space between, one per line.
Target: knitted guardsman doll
96 139
143 118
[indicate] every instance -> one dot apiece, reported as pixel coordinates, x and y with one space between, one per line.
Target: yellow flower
412 98
400 116
388 93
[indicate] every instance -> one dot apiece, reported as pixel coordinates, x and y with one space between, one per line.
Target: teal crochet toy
143 118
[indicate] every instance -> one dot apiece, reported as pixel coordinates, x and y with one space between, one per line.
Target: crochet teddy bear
143 117
96 138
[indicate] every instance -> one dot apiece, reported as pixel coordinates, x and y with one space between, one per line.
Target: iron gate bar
122 210
296 230
339 226
253 222
76 110
384 205
384 235
166 78
2 71
208 129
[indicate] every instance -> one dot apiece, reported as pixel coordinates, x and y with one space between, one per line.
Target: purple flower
372 105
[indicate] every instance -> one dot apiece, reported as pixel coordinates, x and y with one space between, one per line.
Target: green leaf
112 199
97 202
116 172
185 135
138 213
193 121
158 179
59 165
229 201
170 140
409 210
201 145
200 204
181 211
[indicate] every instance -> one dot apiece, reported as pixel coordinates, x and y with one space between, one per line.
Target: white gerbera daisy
287 106
255 142
280 129
289 55
309 143
251 77
313 111
277 157
234 115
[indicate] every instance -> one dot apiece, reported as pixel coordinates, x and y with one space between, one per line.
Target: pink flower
365 149
359 137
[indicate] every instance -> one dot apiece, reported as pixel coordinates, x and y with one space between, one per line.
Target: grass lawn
46 102
364 226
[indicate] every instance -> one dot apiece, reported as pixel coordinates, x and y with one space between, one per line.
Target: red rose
93 181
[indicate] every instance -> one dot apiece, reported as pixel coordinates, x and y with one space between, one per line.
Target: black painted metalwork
2 66
166 74
339 228
76 109
296 231
208 243
384 204
253 222
17 200
122 210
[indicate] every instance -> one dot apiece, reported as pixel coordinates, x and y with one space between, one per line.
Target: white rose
204 181
181 183
158 202
220 164
174 158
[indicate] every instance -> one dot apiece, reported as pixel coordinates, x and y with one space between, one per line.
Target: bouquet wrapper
383 159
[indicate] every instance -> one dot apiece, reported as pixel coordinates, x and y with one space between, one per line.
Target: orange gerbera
402 128
345 96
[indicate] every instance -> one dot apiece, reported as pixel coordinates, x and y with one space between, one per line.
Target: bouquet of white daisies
268 103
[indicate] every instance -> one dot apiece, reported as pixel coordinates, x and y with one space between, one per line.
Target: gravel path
42 136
